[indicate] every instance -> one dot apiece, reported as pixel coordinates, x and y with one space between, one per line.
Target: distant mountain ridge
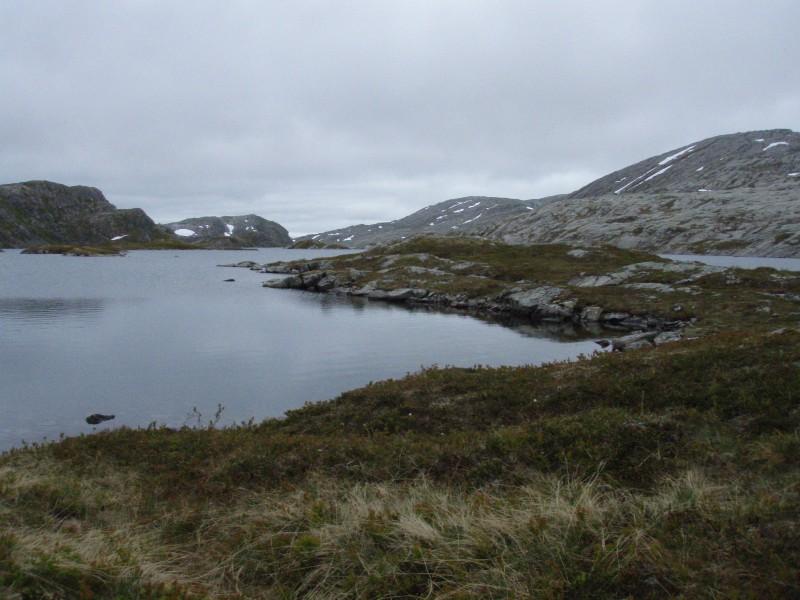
44 212
729 194
248 230
467 215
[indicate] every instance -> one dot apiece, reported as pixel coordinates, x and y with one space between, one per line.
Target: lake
152 335
741 262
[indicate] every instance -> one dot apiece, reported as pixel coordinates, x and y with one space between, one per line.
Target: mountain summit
724 162
249 230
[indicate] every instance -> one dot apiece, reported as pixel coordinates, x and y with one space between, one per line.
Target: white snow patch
474 205
347 239
380 226
229 227
676 155
793 175
703 190
759 140
430 224
313 237
700 169
472 219
620 180
657 173
529 207
632 181
184 232
774 144
460 210
454 227
119 237
441 217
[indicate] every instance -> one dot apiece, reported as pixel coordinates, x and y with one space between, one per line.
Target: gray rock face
43 212
732 194
248 230
724 162
759 222
457 216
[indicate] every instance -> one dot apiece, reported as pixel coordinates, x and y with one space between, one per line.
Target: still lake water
149 336
741 262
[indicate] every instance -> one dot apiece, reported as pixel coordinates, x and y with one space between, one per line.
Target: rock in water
98 418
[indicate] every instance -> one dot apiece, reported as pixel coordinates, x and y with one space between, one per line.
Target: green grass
656 473
667 472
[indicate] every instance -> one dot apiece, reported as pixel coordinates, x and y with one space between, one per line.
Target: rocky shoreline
528 302
538 304
647 299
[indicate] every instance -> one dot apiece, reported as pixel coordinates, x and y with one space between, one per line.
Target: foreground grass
655 473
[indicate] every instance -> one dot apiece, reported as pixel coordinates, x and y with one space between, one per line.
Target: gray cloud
324 114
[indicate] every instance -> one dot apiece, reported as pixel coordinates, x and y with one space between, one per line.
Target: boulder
667 336
634 341
591 314
291 282
327 282
96 418
279 267
245 264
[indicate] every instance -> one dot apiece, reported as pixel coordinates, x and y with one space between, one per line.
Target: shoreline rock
537 304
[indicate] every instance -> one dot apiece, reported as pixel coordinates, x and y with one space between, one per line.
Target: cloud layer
325 114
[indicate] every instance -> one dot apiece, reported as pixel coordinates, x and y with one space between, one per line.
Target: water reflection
50 308
556 331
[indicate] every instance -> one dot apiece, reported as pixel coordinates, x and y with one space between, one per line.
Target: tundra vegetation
660 472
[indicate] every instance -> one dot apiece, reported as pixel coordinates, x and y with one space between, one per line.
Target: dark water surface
149 336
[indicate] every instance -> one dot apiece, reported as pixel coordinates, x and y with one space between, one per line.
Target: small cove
152 335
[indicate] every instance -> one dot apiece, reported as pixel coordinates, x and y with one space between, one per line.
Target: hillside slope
731 194
43 212
455 216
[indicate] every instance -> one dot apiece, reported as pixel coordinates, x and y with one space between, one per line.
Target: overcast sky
325 114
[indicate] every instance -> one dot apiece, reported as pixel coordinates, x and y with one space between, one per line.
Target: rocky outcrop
43 212
536 302
223 232
759 222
